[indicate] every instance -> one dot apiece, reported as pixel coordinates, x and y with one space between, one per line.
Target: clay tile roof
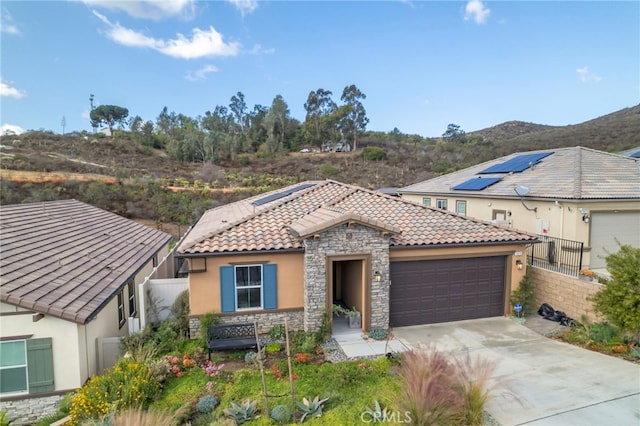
280 224
67 258
329 217
574 173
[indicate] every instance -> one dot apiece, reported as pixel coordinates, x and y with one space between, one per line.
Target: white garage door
606 227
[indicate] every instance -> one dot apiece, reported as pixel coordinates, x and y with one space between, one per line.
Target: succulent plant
207 404
378 333
242 412
311 408
281 414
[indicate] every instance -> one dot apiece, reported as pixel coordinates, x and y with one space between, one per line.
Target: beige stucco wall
204 287
565 293
65 339
75 346
561 220
514 252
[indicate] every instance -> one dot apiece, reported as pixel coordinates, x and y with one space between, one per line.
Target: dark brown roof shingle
67 258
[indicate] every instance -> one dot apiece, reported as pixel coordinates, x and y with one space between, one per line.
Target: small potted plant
587 275
353 315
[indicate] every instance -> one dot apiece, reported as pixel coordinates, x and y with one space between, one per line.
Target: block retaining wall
565 293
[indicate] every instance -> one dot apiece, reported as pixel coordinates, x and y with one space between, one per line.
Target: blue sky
421 64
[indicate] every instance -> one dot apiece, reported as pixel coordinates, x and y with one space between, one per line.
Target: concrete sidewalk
554 383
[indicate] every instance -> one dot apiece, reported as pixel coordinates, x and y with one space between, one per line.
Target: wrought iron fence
557 254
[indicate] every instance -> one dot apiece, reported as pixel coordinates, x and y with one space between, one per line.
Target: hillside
128 172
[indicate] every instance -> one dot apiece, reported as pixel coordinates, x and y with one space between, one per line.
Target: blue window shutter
40 365
227 289
270 286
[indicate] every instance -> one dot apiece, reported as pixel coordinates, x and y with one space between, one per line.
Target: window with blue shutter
227 289
246 287
270 286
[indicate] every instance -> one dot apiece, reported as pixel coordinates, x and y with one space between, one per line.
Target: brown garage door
432 291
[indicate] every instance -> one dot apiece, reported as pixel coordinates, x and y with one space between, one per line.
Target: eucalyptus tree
238 108
354 119
275 123
319 107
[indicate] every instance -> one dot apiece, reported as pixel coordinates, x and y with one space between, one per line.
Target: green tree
354 121
238 108
275 122
619 298
319 106
454 133
109 115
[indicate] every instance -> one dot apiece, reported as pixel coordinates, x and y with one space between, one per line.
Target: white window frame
426 201
121 314
461 203
25 366
131 289
442 203
248 287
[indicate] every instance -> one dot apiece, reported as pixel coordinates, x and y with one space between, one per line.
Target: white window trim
25 366
426 201
122 319
261 287
464 203
442 200
131 290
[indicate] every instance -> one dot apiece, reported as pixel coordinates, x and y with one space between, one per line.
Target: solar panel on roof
476 184
281 194
517 164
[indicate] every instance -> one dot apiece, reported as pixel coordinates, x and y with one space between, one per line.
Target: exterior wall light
519 265
377 276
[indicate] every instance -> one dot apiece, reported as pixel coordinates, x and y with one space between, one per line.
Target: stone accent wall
28 411
345 240
564 293
266 320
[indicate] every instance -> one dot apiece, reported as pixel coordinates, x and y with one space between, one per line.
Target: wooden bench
222 337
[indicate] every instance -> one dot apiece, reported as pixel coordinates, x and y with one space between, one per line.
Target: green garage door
433 291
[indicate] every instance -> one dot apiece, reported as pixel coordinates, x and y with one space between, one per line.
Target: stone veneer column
345 240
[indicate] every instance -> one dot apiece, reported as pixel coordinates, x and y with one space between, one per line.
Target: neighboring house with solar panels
295 252
576 193
68 279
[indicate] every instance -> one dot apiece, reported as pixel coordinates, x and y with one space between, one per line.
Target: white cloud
7 90
148 9
476 11
6 24
257 50
201 74
11 129
245 6
202 44
587 76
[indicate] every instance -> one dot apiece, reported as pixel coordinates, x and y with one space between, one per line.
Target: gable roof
575 173
67 258
252 224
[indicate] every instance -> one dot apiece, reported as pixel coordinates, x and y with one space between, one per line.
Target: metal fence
557 254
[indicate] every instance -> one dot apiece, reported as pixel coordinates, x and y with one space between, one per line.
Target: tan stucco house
68 278
577 194
296 251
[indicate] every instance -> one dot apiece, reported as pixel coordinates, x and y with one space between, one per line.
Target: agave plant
377 413
240 413
311 407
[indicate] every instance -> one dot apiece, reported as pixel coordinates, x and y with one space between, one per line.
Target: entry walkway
355 344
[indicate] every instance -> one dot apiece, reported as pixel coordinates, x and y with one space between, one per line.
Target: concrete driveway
556 383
